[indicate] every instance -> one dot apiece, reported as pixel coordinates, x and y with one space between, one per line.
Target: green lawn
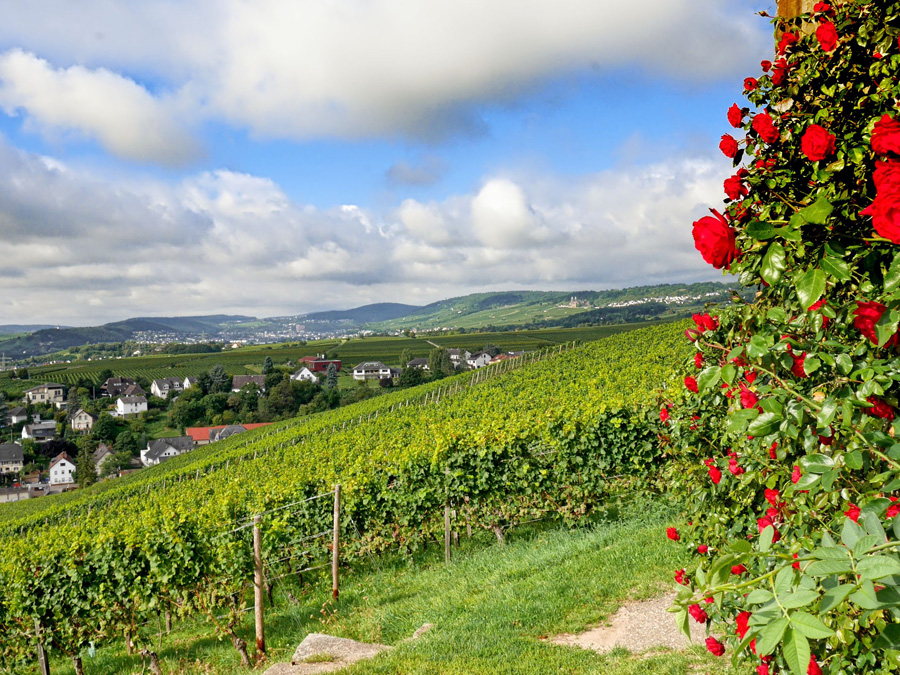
490 607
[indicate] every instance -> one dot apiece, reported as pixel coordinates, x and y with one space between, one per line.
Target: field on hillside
508 442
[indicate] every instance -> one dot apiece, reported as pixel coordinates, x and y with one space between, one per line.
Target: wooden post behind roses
791 8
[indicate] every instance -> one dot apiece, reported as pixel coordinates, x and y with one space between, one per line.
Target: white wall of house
62 472
130 408
304 375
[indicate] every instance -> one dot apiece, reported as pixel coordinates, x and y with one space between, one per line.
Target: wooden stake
447 533
336 542
258 587
43 664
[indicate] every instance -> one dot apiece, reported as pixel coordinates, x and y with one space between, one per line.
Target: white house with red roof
62 469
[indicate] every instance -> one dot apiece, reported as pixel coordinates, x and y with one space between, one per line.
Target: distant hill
47 341
15 329
382 311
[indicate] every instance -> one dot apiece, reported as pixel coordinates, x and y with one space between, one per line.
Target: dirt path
636 626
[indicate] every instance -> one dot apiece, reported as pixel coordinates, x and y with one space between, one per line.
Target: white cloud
344 68
123 116
98 250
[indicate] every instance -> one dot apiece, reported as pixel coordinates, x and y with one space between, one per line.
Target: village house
241 381
101 454
47 393
161 388
421 364
206 435
40 431
12 458
478 360
130 405
304 375
458 357
82 421
372 370
116 386
319 363
62 469
17 414
188 383
165 448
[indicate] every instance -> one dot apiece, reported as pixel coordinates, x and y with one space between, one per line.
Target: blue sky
277 157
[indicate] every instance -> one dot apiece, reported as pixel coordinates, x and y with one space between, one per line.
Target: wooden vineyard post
258 590
447 533
43 664
336 543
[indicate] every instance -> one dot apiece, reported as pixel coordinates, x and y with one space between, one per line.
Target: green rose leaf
765 424
796 651
817 213
878 566
810 286
816 463
770 637
892 278
835 596
837 268
800 598
773 265
887 326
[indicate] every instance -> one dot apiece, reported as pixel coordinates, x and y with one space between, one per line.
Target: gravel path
636 626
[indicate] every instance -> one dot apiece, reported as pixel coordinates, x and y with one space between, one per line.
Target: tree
104 375
434 360
281 401
4 410
405 357
274 378
118 462
22 374
331 376
218 380
447 367
85 470
105 428
268 366
491 349
410 377
125 442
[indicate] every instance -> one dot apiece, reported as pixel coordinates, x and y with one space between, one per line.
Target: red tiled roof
201 434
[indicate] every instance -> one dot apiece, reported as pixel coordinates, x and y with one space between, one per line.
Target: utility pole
791 8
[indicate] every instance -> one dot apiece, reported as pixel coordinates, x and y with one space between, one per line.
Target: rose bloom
887 176
702 549
750 84
797 368
763 125
743 624
816 307
886 136
763 523
782 67
772 496
827 36
773 450
879 408
664 415
885 213
715 240
697 612
735 188
766 66
705 322
795 474
852 513
681 577
735 468
813 668
765 164
817 143
691 384
748 398
714 646
750 377
795 565
715 475
735 115
894 509
672 534
738 570
728 146
867 314
762 669
698 360
787 40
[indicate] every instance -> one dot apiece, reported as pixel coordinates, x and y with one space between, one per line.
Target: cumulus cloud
348 69
98 104
82 250
426 171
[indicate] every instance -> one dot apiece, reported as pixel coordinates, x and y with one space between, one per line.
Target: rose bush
782 431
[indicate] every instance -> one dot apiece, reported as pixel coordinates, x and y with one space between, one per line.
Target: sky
275 157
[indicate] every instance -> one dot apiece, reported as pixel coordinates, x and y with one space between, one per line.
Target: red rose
766 66
735 115
795 565
715 240
763 125
782 68
827 35
894 509
691 384
728 146
681 577
738 570
887 176
664 415
813 668
735 468
715 475
886 136
763 523
879 408
765 164
703 548
698 360
795 474
885 212
797 369
867 315
750 84
672 534
714 646
743 624
748 398
735 188
787 41
705 322
697 612
773 449
772 497
852 513
817 143
823 8
762 669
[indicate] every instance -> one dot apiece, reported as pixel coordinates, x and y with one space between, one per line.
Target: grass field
490 608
